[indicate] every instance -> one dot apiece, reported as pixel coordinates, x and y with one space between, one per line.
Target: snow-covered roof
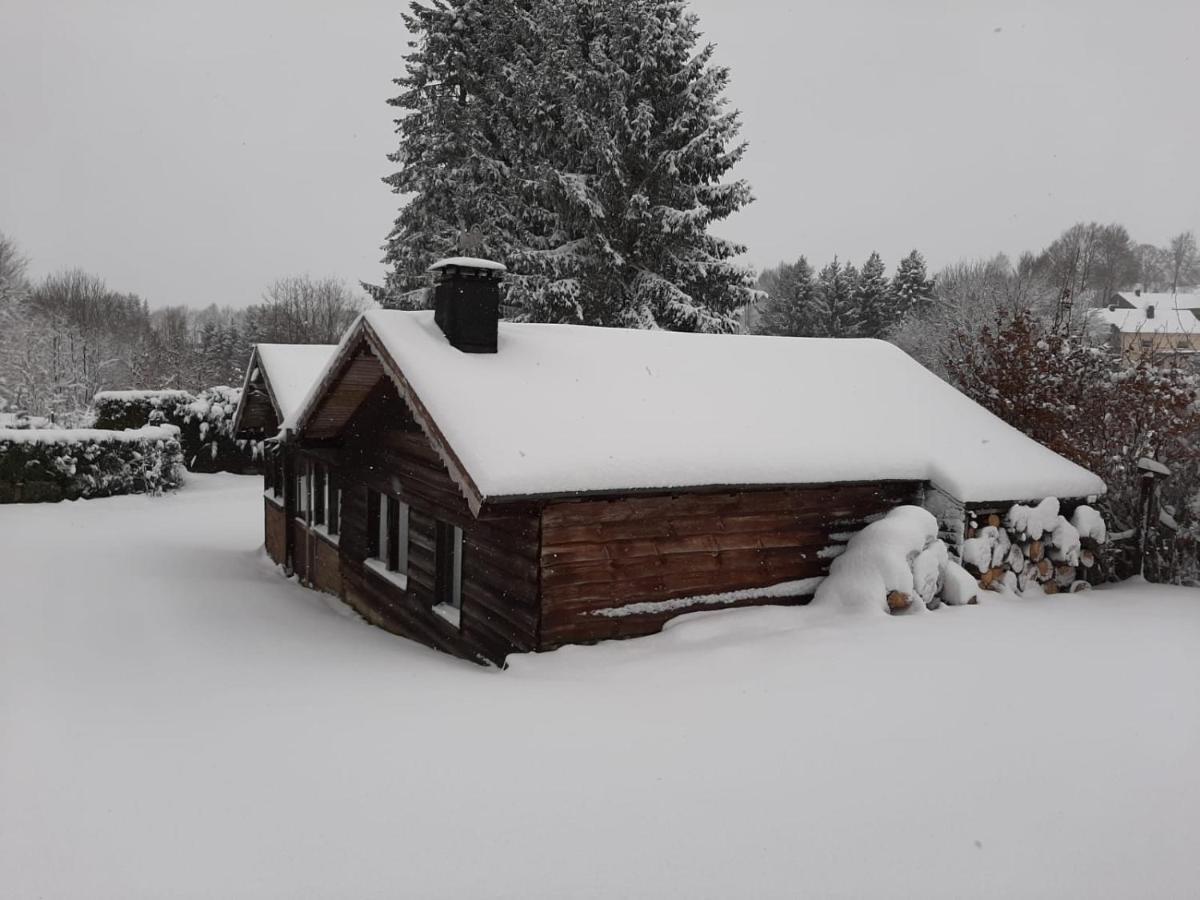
290 370
1164 299
1166 320
468 262
562 409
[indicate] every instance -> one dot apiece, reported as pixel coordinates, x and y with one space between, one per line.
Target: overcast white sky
193 151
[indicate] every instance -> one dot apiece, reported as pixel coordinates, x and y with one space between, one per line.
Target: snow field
177 720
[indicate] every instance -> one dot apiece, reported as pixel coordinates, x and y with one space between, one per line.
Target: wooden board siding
383 449
603 554
300 549
326 571
275 523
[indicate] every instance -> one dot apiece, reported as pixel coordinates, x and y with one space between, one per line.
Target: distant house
488 487
1143 324
278 377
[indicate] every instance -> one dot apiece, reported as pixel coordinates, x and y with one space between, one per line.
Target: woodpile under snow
900 563
1034 547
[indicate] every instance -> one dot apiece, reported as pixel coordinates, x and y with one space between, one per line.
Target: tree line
840 300
69 335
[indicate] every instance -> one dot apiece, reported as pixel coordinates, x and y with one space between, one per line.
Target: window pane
318 494
456 586
393 531
381 540
335 506
402 539
373 527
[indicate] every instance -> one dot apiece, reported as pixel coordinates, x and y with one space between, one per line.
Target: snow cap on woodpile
561 409
894 564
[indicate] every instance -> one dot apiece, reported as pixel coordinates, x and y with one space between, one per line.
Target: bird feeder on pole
1152 471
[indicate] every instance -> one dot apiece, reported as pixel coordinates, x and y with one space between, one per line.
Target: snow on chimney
466 302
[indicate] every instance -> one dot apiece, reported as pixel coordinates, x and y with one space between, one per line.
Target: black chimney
466 302
1150 311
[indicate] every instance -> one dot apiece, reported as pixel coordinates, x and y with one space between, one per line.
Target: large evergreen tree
788 307
837 314
873 298
912 289
456 161
588 140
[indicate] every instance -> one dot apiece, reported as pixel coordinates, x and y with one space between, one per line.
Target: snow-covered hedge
47 465
205 422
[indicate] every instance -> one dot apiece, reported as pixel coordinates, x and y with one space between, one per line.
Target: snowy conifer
588 140
912 289
837 314
788 307
455 159
874 299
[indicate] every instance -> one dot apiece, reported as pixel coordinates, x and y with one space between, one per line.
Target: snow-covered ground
176 720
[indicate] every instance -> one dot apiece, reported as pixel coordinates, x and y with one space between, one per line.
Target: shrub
205 422
59 464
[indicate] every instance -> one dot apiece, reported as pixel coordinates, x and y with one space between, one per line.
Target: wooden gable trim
255 363
458 472
364 338
250 367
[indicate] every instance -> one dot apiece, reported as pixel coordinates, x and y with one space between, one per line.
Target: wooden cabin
487 487
278 378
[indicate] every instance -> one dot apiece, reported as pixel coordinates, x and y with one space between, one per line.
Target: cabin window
448 583
333 505
303 502
318 493
387 533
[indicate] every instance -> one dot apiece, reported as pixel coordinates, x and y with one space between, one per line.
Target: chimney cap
467 262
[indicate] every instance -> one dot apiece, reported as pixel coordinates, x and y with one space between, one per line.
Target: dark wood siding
383 449
276 522
603 554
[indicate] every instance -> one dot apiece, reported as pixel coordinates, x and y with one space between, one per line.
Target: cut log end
993 520
1036 551
898 601
1050 587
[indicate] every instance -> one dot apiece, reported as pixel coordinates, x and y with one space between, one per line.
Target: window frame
389 522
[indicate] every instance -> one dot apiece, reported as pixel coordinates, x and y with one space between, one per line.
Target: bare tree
304 310
12 269
1183 260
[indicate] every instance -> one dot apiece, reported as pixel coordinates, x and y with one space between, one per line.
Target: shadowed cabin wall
383 449
600 555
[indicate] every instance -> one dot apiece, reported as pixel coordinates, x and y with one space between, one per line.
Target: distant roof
1164 299
1168 319
290 370
563 409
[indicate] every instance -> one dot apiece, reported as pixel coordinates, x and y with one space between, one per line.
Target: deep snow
176 720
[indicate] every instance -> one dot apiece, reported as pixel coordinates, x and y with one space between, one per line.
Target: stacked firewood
1033 548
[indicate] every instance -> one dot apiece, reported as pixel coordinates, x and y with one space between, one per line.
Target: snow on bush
55 464
205 421
895 562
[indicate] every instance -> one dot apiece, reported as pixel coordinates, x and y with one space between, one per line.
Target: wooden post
289 502
1150 469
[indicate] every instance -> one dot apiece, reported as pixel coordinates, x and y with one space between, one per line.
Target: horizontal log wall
604 554
276 523
384 450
